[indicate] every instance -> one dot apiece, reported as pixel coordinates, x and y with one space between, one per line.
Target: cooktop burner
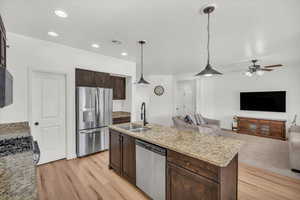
15 145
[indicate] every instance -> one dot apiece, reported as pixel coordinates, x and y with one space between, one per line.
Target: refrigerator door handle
90 131
97 107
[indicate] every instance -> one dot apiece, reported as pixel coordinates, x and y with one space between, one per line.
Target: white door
48 115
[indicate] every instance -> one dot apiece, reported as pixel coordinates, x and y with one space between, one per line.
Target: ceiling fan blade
268 70
270 66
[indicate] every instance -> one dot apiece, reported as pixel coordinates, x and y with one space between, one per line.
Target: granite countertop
217 150
120 114
17 171
14 130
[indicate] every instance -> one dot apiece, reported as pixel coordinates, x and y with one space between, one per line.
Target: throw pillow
192 117
199 119
188 119
202 120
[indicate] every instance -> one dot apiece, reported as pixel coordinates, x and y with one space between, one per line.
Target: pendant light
142 80
208 70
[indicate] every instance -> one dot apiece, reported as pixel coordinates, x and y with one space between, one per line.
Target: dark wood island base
186 177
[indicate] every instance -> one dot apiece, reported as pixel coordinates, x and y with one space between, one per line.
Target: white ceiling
176 32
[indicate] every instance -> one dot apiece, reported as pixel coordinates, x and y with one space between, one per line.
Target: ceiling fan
259 70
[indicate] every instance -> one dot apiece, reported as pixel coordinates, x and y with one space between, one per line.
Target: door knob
36 123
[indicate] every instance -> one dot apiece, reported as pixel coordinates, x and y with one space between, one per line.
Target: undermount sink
134 127
142 129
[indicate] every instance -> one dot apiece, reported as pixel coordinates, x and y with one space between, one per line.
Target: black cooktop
15 145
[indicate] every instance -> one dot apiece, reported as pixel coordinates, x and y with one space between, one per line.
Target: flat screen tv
274 101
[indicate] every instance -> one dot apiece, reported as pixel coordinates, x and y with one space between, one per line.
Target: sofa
209 125
294 148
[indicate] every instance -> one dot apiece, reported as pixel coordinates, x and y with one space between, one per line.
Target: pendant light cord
142 60
208 38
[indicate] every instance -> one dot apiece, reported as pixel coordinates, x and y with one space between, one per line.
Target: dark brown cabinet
2 44
89 78
128 158
119 87
183 184
102 80
85 78
115 151
122 155
262 127
193 179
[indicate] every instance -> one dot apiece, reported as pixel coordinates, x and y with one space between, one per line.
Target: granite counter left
17 166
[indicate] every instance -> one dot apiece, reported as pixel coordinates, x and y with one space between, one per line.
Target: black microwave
6 88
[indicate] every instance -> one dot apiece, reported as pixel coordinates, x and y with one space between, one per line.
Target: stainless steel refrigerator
94 114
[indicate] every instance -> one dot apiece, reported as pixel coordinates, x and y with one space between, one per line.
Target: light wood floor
89 179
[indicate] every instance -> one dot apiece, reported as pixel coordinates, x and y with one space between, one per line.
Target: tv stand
269 128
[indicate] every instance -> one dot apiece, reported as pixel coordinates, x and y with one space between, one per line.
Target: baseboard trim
227 129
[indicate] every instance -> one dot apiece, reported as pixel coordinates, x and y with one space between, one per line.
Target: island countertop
214 149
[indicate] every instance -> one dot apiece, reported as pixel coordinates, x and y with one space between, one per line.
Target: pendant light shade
208 70
142 80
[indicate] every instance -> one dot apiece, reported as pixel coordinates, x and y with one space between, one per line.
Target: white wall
28 53
160 109
220 96
185 96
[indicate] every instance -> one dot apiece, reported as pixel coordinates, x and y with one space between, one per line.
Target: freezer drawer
92 141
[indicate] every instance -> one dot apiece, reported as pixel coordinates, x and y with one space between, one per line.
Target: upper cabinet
2 44
87 78
102 80
119 87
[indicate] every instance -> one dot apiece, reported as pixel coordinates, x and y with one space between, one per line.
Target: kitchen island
198 166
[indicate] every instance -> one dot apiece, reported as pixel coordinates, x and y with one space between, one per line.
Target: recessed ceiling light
124 54
53 34
61 13
95 46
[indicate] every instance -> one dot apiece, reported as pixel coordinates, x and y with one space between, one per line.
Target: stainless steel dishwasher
151 169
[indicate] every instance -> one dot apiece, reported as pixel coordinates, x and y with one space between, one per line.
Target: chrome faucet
143 114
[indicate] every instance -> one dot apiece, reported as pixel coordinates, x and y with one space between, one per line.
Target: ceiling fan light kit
208 70
248 73
259 70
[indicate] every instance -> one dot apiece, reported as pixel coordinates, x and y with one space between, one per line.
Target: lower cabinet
115 151
128 158
122 155
183 184
193 179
